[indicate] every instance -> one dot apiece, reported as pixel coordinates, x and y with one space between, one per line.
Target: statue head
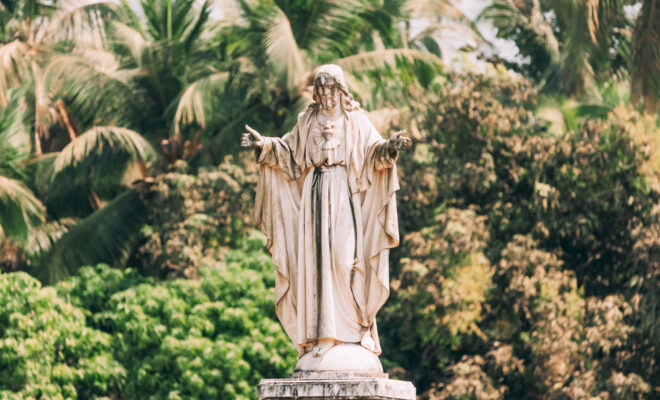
330 89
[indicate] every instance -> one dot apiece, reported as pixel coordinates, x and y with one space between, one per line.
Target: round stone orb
344 357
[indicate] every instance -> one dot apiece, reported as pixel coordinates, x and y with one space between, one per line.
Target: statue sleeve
383 157
278 154
378 216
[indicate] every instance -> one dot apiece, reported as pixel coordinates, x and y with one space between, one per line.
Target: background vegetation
529 208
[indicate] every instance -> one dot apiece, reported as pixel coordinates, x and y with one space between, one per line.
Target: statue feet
322 347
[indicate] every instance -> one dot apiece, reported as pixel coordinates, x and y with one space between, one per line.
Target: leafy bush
111 332
436 300
451 127
193 219
46 349
529 263
213 337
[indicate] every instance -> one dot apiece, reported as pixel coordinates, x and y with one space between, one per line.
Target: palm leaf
103 237
131 38
509 18
577 74
197 102
14 62
95 89
41 238
437 9
20 210
645 63
80 21
14 139
386 57
101 155
287 60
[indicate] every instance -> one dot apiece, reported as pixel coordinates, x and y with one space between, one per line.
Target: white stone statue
325 200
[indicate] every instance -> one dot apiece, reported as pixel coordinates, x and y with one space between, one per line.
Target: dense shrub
193 219
213 337
529 263
46 348
451 127
108 332
436 300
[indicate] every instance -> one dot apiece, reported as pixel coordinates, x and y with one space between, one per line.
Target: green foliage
213 337
112 332
583 195
46 349
529 260
436 300
107 235
451 128
192 220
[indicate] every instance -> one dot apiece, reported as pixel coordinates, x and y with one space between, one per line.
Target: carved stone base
335 385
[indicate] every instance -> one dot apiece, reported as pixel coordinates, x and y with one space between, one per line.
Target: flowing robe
330 224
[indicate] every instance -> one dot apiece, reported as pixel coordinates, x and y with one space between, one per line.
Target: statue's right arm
272 152
252 138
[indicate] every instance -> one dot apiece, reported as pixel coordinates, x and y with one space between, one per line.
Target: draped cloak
372 182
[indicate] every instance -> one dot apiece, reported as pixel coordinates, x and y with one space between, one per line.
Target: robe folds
329 229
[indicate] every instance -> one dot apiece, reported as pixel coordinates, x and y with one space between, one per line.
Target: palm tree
185 82
51 171
645 60
279 44
572 46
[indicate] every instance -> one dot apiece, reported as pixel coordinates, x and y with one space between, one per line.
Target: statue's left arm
385 152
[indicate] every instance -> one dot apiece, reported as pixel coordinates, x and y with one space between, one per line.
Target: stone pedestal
335 385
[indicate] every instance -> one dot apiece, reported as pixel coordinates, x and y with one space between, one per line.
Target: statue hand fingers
252 132
396 135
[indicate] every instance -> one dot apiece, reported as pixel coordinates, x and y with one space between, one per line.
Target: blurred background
529 205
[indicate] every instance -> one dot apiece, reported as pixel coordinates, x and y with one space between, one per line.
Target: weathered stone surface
335 385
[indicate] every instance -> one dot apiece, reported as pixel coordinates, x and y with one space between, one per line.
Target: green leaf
20 210
101 155
103 237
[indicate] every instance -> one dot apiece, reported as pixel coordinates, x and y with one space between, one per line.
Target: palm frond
94 85
330 27
287 60
386 57
198 100
80 21
41 238
645 63
84 64
14 139
577 77
104 236
516 20
101 155
435 8
14 61
129 37
20 210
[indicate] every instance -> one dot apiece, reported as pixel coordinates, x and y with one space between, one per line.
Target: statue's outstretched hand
398 142
252 138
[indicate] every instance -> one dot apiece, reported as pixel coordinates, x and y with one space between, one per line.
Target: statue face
327 89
